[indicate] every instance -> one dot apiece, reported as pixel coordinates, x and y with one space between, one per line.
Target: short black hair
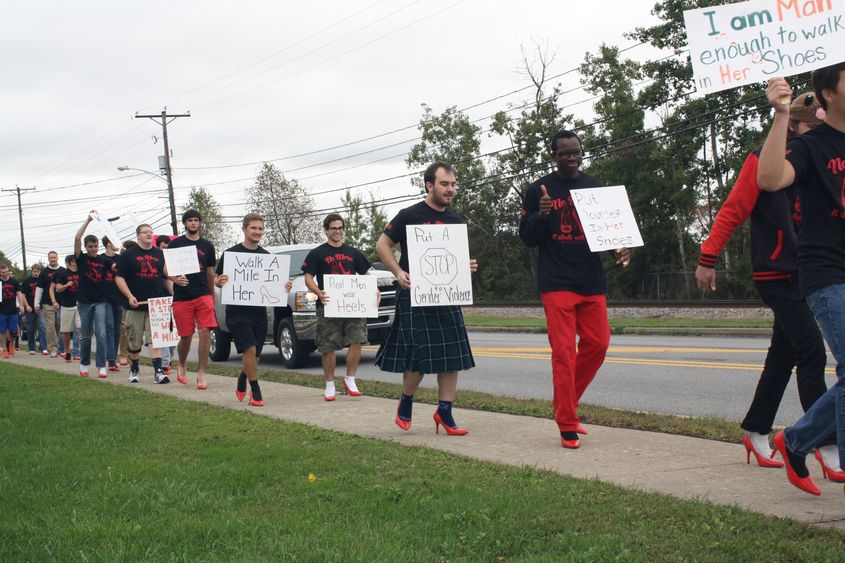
826 78
431 172
564 134
161 239
331 218
105 241
70 258
90 238
191 214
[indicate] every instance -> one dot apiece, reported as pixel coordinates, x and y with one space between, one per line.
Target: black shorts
248 330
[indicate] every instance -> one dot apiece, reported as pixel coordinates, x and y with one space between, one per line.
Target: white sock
830 455
330 388
760 443
350 382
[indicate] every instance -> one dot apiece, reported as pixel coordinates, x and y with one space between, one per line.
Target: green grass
620 324
92 471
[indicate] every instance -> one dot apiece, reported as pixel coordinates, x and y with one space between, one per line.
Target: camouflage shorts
338 333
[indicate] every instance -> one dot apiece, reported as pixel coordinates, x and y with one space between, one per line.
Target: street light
173 223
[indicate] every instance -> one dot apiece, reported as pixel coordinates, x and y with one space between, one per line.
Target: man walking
247 324
193 299
114 310
570 279
93 298
35 327
13 299
424 339
49 309
140 276
336 258
63 291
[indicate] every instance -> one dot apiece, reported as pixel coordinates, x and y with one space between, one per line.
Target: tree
214 228
287 208
364 223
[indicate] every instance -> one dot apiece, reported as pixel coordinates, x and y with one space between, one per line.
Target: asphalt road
694 376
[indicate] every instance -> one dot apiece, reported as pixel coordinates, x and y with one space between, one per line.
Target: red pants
569 314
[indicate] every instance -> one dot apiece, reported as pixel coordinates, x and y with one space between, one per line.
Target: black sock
569 435
445 410
406 406
134 365
798 463
255 390
157 364
241 382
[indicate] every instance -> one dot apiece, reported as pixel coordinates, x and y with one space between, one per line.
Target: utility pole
20 219
164 116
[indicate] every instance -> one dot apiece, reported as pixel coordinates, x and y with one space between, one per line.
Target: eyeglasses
567 154
336 229
145 233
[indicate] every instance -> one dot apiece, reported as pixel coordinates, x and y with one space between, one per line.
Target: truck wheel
292 352
221 345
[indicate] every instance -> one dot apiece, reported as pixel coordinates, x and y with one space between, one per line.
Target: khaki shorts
69 320
338 333
137 328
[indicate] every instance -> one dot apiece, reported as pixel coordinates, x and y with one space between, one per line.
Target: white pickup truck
292 328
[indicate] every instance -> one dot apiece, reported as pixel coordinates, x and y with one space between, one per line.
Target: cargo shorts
338 333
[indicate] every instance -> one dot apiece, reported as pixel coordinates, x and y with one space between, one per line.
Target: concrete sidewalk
675 465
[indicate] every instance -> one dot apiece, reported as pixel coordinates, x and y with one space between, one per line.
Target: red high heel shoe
570 444
450 430
762 460
827 472
401 423
241 395
350 392
804 483
254 403
581 430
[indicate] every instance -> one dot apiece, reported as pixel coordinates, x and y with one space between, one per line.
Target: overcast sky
262 80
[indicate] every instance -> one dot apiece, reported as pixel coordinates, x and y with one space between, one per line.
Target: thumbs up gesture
545 202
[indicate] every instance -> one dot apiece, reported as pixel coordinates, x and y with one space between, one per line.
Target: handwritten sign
607 218
352 297
255 279
181 261
438 258
107 228
162 326
738 44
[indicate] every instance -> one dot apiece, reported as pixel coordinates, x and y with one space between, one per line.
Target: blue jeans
828 413
114 316
93 319
36 332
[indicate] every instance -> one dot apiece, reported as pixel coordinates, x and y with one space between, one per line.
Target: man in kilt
424 339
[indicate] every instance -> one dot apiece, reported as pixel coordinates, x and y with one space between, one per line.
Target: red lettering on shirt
147 266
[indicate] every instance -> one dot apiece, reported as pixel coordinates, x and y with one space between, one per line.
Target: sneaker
133 376
45 352
161 379
102 373
53 354
83 370
32 352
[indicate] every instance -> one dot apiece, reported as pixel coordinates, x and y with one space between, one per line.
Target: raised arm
77 239
774 171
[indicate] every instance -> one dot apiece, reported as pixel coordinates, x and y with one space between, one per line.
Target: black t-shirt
334 260
66 298
28 288
143 271
10 290
93 277
198 282
565 262
113 295
418 214
44 281
241 310
818 158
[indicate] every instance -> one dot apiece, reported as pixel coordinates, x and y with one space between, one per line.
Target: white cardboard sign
162 326
352 297
607 218
107 229
438 260
743 43
181 261
255 279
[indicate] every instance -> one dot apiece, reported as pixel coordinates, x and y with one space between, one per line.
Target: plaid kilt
425 339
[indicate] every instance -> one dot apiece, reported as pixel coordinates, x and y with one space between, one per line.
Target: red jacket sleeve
734 212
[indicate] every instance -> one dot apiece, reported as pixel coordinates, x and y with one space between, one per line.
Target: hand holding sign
608 220
779 94
181 261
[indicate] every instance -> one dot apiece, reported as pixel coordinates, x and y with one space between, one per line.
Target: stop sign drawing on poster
438 259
